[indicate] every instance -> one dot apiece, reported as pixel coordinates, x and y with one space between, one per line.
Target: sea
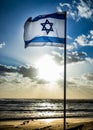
17 109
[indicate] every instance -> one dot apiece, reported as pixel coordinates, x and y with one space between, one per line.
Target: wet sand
48 124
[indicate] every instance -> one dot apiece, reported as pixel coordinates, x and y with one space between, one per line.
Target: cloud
72 46
88 77
76 11
72 57
26 71
84 80
2 44
85 9
81 41
13 81
23 75
69 37
59 9
7 69
13 78
76 56
75 51
41 81
91 34
69 8
14 84
90 61
79 87
85 40
58 57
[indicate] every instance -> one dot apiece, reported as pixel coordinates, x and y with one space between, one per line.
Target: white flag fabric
45 30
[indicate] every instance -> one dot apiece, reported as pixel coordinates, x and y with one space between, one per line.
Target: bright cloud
81 40
76 11
85 40
2 44
84 10
91 32
69 37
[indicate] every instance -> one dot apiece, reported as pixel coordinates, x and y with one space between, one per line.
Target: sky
38 72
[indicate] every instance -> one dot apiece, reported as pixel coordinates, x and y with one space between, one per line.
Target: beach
48 124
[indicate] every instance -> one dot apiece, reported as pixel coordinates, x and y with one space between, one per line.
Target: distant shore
48 124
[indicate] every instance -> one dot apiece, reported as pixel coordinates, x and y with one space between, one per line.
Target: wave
16 109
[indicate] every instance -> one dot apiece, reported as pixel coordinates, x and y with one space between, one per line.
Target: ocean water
16 109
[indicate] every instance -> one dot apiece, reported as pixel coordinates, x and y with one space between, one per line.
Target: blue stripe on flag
54 15
45 39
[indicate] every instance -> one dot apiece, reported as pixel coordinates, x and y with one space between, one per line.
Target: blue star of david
45 28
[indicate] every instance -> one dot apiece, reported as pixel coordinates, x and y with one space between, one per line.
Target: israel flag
45 30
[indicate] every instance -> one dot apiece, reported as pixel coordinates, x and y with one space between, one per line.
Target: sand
48 124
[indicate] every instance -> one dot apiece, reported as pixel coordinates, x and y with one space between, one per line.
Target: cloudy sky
38 72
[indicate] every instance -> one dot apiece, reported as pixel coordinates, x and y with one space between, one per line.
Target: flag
45 30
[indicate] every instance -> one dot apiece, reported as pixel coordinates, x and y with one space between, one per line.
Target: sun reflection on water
49 120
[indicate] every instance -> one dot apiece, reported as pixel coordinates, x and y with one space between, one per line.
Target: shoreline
48 124
46 117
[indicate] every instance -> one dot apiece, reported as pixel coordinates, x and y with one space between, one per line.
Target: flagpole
65 78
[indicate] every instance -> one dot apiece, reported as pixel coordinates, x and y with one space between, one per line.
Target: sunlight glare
49 120
48 69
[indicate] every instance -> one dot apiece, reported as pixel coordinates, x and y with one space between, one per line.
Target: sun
48 69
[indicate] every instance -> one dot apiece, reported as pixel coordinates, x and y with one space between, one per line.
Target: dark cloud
89 76
58 57
42 81
76 56
4 69
71 57
2 80
15 74
30 72
68 83
59 60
